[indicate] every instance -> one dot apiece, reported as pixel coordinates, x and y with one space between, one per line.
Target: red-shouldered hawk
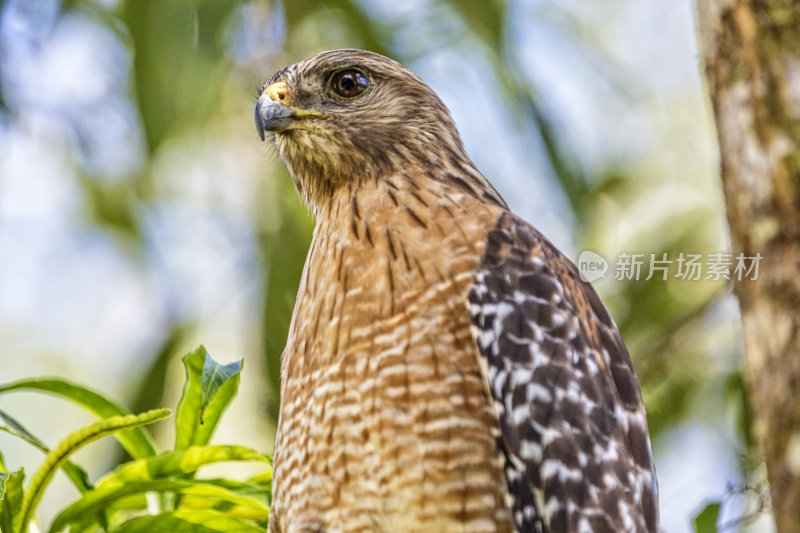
446 369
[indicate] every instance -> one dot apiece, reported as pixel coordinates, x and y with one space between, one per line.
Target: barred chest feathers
384 410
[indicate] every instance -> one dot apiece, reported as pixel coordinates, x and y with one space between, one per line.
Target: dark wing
572 424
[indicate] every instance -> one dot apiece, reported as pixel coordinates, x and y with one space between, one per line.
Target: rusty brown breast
384 415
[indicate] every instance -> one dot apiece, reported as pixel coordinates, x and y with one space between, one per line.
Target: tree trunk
751 51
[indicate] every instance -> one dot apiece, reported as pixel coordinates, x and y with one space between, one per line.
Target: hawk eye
348 83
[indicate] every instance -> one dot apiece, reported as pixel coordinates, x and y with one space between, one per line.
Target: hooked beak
273 112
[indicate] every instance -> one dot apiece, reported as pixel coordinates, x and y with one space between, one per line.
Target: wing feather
572 424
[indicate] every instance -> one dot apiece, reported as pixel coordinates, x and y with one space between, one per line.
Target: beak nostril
277 92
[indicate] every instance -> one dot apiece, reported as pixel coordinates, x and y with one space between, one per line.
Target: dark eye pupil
349 83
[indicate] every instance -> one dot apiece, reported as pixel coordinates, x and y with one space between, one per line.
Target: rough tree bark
751 51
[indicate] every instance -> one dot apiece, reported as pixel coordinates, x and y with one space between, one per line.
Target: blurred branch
758 493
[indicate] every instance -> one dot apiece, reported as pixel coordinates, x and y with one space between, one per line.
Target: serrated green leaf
76 474
200 407
11 496
136 441
706 520
72 443
188 522
82 511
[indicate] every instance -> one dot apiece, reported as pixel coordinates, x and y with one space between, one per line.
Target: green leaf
76 474
105 496
188 522
209 389
236 499
260 492
184 464
13 427
72 443
214 376
136 441
179 463
10 499
706 520
264 479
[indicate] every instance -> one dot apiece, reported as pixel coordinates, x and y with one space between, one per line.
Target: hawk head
344 116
